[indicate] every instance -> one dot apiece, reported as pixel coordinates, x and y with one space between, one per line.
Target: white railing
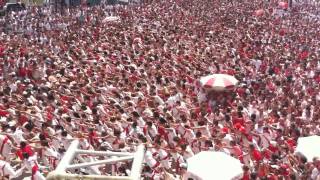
73 152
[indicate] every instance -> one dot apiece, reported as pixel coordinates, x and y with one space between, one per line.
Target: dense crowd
116 84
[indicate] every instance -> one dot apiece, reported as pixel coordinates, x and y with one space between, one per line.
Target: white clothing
7 170
50 157
6 146
315 175
188 153
66 141
18 136
30 164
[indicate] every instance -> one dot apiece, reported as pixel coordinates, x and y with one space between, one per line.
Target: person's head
251 147
198 134
232 143
42 137
208 143
149 124
13 128
134 125
45 143
68 119
23 144
316 162
44 125
64 133
245 168
29 127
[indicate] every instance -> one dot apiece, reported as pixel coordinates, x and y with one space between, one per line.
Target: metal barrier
73 152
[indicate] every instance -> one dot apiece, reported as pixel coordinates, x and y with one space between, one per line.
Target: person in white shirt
5 147
31 164
6 170
315 174
197 144
49 155
17 135
186 133
150 131
65 139
151 174
135 130
186 151
162 155
151 161
171 133
178 160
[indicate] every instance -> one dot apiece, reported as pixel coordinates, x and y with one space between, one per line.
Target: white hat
12 123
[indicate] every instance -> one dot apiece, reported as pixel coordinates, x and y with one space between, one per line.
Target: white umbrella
309 147
111 19
208 165
218 81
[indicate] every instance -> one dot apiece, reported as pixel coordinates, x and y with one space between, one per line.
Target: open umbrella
259 12
283 5
309 147
111 19
208 165
218 81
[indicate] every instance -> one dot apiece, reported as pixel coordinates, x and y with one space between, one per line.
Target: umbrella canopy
111 19
259 12
283 5
208 165
218 81
309 147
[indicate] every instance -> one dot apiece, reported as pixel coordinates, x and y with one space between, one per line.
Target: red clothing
27 150
317 78
241 91
64 98
231 72
162 132
256 155
267 154
22 119
276 70
93 138
291 143
23 72
238 120
4 113
246 176
273 148
303 55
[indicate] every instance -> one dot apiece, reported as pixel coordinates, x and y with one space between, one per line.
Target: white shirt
18 136
141 122
159 100
315 175
6 169
135 131
66 141
49 155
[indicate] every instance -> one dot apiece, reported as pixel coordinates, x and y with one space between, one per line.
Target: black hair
45 143
29 126
42 137
68 119
23 144
149 123
64 133
198 134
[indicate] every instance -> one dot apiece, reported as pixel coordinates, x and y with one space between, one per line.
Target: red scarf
5 140
34 170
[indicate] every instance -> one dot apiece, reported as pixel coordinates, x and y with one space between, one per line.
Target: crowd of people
116 84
